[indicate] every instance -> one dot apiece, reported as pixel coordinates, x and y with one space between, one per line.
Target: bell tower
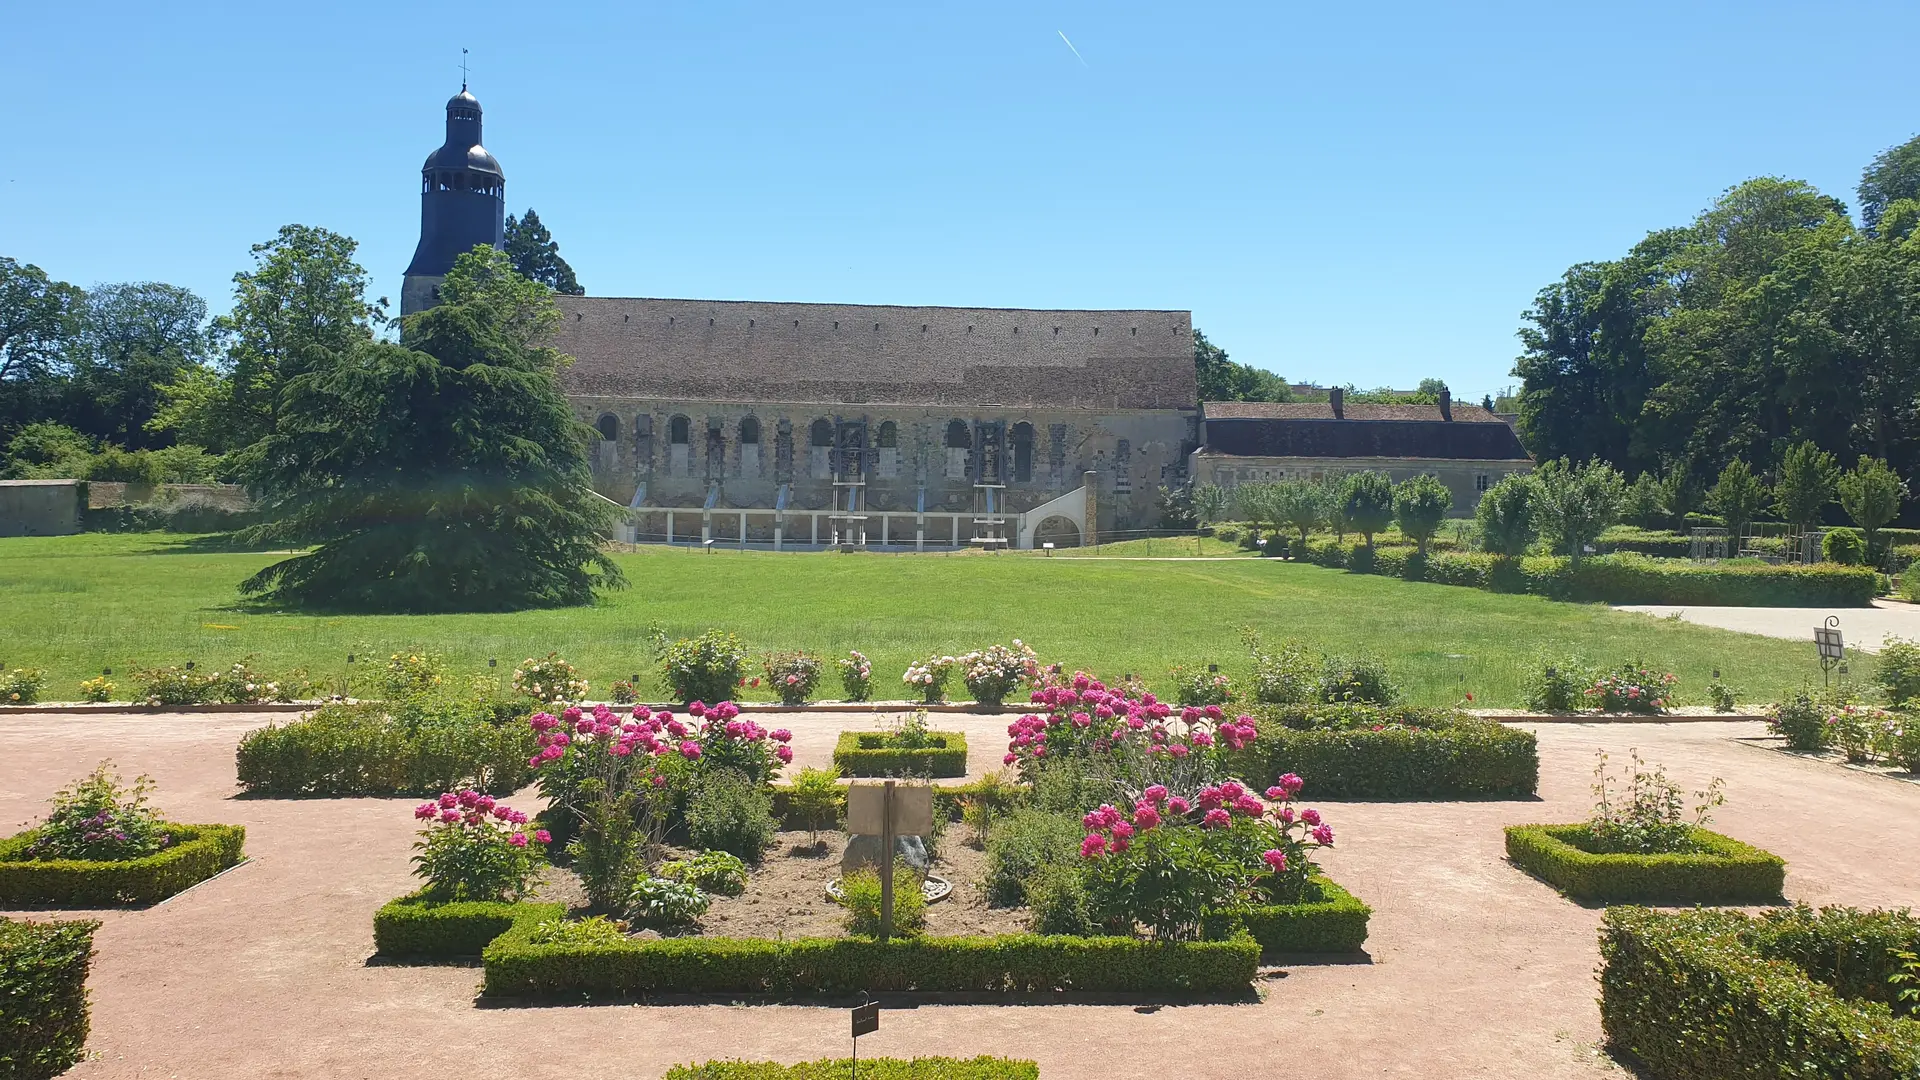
463 204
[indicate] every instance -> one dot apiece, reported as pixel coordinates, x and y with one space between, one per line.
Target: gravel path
1476 970
1863 627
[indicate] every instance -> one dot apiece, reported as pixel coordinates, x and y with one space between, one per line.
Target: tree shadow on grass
208 544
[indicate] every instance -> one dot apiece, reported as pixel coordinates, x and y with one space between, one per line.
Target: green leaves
1420 504
1807 478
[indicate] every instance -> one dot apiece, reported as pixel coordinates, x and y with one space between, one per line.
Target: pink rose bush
475 847
1132 738
793 676
1632 688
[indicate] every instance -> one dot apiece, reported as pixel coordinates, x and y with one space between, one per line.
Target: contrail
1076 52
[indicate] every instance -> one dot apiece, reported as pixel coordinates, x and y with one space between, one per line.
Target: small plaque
866 1019
912 809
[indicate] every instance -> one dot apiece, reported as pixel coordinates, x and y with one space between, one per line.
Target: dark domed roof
471 158
463 98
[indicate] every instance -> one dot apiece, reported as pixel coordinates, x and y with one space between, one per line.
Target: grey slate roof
729 350
1321 410
1251 429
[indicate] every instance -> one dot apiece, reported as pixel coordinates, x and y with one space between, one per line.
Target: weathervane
463 71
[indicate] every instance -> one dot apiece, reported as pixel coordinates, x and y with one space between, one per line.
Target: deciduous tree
1420 504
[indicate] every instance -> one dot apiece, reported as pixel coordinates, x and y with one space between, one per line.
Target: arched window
957 436
749 432
888 437
1022 453
609 426
677 430
821 434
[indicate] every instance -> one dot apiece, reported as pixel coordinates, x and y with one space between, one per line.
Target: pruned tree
1367 502
1506 515
1737 496
1806 485
1871 494
1575 504
1301 506
1420 504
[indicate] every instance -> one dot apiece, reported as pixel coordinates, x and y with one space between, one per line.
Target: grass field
74 605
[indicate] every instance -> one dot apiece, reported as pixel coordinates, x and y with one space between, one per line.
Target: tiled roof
1320 410
1389 437
726 350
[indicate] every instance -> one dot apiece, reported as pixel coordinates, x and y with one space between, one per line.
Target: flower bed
1720 870
516 967
1328 919
416 926
932 1068
868 753
1372 752
197 853
43 981
1712 994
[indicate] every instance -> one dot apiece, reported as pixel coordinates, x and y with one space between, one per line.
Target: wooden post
886 862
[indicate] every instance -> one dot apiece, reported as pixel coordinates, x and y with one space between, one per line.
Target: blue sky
1341 193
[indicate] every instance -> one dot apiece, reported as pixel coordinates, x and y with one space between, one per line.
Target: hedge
1329 920
43 996
358 749
1728 872
412 925
933 1068
1695 994
1624 578
802 966
1418 754
866 753
1660 543
200 852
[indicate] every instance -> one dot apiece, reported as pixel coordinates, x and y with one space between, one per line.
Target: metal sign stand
886 862
866 1019
1832 648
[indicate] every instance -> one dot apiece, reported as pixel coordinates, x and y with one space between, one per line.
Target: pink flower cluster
473 809
1083 709
1111 830
651 733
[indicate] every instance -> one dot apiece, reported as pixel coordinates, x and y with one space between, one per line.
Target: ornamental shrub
860 893
715 872
793 676
1648 818
241 685
1801 720
1632 687
366 748
1197 687
1288 676
1896 670
1844 546
704 668
877 753
416 925
414 672
177 685
22 686
856 676
1717 870
1721 695
661 902
590 931
97 689
623 692
1357 679
928 678
99 819
1557 684
1023 844
1056 897
815 798
993 673
43 981
475 848
1397 753
728 811
1858 730
550 680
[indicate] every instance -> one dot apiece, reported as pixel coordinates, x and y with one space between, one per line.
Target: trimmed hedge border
1729 873
1625 578
202 852
932 1068
356 749
1334 921
865 753
1428 754
412 926
43 983
807 966
1707 994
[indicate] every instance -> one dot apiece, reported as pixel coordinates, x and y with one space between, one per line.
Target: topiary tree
1737 497
1574 505
1333 501
1298 505
1807 478
1367 503
1210 503
1505 515
444 473
1420 505
1871 495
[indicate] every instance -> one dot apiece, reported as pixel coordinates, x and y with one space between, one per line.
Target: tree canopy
444 474
536 255
1222 379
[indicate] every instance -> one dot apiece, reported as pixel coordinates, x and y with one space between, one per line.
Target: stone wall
679 448
1466 479
39 507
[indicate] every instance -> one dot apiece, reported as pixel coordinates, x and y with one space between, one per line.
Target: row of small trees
1364 503
1810 480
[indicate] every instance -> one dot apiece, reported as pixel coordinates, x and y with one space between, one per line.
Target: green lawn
74 605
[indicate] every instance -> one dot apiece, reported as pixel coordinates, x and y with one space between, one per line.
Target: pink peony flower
543 836
690 750
1201 738
1178 750
1145 817
781 735
697 708
1248 806
1311 817
427 811
1276 859
1178 806
1092 847
1155 794
1122 831
448 817
1291 784
1323 835
784 753
1010 759
1217 818
449 800
1231 790
1277 793
1285 814
518 839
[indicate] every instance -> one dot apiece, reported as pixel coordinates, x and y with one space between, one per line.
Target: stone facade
730 400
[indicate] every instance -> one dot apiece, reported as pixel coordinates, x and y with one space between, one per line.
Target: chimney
1338 399
1446 404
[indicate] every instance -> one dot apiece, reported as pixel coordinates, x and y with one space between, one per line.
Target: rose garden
447 866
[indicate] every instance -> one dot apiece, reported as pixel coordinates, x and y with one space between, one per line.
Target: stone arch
679 434
609 426
750 460
820 449
1058 530
958 437
888 437
750 432
821 433
679 430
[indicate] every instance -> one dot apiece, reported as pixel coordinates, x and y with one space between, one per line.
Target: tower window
609 427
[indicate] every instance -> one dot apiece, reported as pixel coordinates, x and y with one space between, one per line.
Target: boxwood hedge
43 996
933 1068
1726 872
515 967
1621 578
866 753
1328 920
1713 994
360 749
1414 754
413 926
199 852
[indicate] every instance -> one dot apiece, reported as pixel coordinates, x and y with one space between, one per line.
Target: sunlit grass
75 605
